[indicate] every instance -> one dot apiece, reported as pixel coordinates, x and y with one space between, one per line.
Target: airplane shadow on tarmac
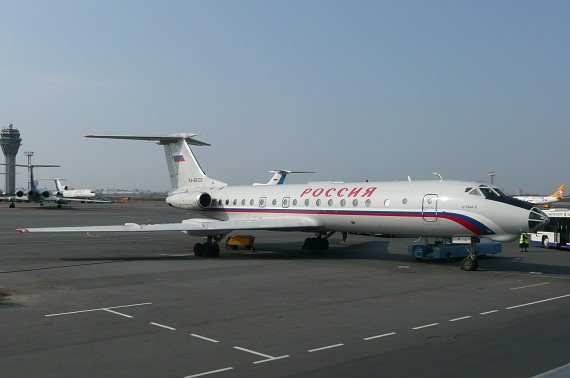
371 250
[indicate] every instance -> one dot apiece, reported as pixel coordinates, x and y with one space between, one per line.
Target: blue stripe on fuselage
471 224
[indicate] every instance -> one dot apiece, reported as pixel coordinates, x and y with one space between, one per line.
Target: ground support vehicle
452 249
556 234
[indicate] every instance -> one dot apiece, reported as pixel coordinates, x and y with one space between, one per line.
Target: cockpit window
468 189
475 192
501 193
489 193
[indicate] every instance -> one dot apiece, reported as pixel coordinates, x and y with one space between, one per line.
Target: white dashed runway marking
268 357
425 326
117 313
379 336
163 326
325 347
209 372
204 338
461 318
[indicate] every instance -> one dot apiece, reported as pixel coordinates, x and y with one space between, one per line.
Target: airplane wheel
208 250
469 264
215 250
198 250
322 244
308 243
12 206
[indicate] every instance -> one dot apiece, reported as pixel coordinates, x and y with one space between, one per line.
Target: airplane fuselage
77 193
426 208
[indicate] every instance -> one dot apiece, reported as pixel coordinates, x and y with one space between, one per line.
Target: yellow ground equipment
234 242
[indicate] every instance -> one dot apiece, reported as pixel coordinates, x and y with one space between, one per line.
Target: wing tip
22 230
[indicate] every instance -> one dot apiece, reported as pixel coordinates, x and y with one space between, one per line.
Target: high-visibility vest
524 239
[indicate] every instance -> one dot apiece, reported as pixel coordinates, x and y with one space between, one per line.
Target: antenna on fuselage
438 175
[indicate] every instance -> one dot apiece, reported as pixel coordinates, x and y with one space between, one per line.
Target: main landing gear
470 262
320 242
209 248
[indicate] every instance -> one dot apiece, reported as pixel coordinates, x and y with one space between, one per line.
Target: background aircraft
41 195
279 176
67 192
425 208
558 195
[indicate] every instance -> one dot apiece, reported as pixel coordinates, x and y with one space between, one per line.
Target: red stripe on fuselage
454 218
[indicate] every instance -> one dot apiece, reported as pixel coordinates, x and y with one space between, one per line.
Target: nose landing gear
470 263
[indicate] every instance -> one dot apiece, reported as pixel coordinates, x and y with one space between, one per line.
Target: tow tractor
452 248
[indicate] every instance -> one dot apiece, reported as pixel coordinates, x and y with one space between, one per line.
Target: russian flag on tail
178 158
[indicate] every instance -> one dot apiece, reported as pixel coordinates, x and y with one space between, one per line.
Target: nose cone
537 219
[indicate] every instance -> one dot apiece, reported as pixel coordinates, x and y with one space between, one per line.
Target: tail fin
58 186
559 193
183 167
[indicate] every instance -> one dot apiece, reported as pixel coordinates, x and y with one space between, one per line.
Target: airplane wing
195 226
66 200
82 200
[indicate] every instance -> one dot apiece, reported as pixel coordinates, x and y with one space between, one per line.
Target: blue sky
353 90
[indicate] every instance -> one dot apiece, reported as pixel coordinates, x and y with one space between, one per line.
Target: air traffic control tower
10 141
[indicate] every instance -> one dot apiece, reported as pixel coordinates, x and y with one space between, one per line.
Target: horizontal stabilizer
172 138
30 166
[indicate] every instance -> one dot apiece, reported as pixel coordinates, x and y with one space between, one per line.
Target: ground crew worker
523 242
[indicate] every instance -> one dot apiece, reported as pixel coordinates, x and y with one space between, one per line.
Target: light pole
29 154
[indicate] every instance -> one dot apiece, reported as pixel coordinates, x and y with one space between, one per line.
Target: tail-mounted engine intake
190 200
20 193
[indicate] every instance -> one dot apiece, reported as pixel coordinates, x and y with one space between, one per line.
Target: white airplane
424 208
279 176
558 195
67 192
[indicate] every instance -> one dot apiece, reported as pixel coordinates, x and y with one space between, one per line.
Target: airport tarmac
141 305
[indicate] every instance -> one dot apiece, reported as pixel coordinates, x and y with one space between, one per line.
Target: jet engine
20 193
45 194
189 200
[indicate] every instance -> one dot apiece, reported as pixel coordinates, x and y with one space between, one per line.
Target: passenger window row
307 202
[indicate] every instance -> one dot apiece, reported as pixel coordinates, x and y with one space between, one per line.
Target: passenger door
429 208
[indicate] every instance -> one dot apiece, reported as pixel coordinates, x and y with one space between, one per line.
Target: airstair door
429 208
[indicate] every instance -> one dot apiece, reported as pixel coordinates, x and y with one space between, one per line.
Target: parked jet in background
279 176
67 192
34 193
425 208
41 195
558 195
